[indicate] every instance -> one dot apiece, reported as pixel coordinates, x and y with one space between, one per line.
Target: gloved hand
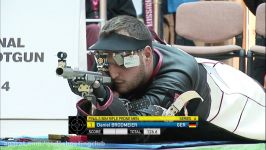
101 92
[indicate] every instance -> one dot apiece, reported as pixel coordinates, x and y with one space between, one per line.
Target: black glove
101 92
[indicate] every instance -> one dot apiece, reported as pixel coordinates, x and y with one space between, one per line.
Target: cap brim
119 43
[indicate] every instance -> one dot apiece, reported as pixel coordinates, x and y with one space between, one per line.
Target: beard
134 83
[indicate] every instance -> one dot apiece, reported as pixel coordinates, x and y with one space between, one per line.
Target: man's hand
101 92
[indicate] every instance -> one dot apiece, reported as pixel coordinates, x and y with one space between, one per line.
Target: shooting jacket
175 72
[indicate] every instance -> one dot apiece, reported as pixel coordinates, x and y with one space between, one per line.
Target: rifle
80 82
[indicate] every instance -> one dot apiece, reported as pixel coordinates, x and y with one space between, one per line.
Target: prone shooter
88 84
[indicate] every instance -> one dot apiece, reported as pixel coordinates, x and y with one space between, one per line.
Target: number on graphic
5 86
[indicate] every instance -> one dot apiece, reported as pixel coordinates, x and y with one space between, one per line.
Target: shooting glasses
123 59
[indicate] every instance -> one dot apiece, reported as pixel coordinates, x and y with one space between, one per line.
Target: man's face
125 79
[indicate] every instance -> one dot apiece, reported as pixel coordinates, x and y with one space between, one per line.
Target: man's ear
147 53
